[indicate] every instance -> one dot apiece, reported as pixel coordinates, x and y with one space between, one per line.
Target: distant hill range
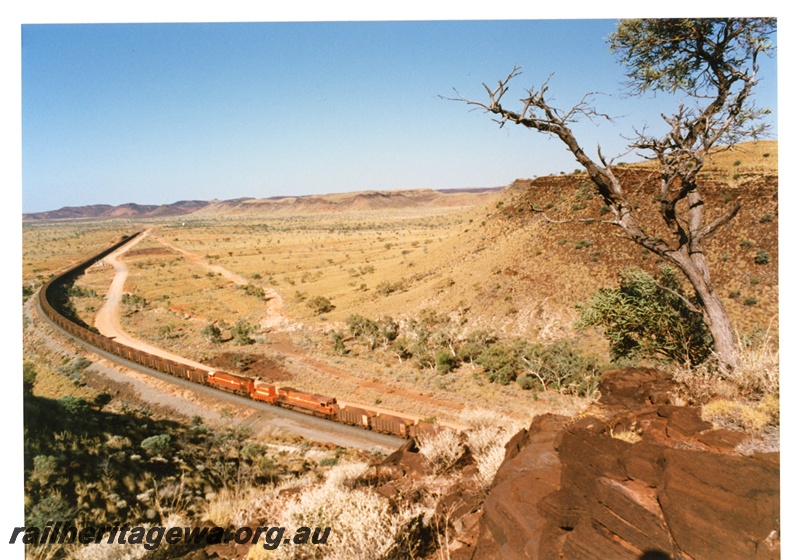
354 201
108 212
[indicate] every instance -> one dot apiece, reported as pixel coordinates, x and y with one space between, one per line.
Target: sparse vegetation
402 341
253 290
442 450
746 416
629 435
95 467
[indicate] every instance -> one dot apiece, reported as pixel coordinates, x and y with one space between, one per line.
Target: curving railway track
353 427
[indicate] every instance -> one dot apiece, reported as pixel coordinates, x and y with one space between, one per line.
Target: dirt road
274 318
107 320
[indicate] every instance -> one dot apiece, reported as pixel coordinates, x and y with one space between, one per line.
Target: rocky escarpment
677 489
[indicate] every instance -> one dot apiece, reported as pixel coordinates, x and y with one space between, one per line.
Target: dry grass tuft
748 416
486 436
441 449
756 377
365 527
759 366
630 435
227 502
489 463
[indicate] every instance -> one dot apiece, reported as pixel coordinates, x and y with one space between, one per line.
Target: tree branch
720 221
692 307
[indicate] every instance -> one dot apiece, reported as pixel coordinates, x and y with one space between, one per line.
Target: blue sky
156 113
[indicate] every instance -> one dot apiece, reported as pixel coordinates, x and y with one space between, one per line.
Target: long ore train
253 388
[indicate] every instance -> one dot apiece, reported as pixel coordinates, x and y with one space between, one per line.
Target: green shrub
762 257
500 363
134 301
73 406
445 361
44 467
166 332
241 333
388 288
388 329
52 506
560 366
79 364
157 445
383 331
28 377
320 305
475 343
750 300
337 339
647 317
363 329
402 348
253 290
527 382
212 333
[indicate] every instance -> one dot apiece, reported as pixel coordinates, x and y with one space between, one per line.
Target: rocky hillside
519 275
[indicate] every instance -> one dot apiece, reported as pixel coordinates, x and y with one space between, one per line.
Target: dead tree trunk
715 317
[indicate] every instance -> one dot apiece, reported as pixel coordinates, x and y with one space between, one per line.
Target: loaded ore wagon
389 424
354 416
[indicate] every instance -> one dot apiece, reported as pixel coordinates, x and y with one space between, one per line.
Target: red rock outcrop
567 489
